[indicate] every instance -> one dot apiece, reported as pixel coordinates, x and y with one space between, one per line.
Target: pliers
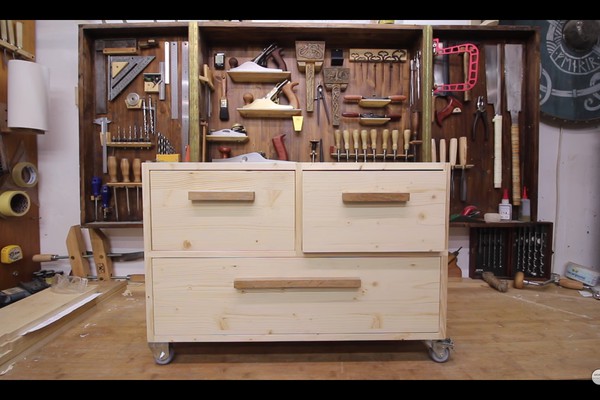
321 97
480 114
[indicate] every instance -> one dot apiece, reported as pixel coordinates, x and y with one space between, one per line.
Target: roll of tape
491 217
14 203
25 174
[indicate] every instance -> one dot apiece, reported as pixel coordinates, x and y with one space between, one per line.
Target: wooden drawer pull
296 283
375 197
221 196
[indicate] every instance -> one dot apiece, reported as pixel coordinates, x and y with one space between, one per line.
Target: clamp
321 98
480 114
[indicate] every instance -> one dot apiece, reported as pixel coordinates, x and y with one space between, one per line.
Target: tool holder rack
245 40
18 146
504 249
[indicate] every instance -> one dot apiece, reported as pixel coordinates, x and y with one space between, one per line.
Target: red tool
454 106
280 147
471 75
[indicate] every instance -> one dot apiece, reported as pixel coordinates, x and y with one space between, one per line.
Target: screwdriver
137 178
356 138
105 200
96 184
384 142
338 142
364 136
125 173
407 144
112 174
374 143
347 143
395 137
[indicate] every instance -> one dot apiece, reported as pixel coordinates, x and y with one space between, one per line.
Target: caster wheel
163 353
440 356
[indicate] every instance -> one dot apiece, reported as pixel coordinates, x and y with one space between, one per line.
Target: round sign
570 69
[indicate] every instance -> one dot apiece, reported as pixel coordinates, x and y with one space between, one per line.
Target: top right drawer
374 210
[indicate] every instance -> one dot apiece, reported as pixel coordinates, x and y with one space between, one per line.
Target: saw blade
128 67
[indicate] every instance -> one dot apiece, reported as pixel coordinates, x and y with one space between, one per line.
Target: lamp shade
27 95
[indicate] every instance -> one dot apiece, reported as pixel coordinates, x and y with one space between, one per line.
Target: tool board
212 48
18 147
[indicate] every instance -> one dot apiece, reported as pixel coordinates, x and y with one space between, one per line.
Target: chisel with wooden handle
462 159
453 149
392 117
224 109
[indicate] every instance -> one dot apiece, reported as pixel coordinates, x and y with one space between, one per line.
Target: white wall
569 184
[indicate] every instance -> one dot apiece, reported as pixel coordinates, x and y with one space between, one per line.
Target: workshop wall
568 192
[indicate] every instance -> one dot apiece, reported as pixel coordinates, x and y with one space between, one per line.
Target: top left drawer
198 210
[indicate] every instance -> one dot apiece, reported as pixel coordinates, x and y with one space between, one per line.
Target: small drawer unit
280 251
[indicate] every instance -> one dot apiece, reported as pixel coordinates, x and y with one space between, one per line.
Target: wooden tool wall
366 78
18 147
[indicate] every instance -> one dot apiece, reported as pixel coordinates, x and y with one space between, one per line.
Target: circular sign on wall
570 69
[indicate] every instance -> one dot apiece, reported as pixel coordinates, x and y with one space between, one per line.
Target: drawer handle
296 283
220 196
375 197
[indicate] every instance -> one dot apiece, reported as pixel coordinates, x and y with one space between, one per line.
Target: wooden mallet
336 79
310 56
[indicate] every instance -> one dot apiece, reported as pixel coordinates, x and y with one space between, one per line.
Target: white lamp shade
27 104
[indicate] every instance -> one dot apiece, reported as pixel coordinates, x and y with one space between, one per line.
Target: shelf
15 50
130 144
268 113
235 139
258 76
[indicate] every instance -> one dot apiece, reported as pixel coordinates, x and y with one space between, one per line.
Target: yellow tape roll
14 203
11 253
25 174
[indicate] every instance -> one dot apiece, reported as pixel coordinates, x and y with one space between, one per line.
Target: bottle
525 211
505 208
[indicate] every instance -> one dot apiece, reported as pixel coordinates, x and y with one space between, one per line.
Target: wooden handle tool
310 56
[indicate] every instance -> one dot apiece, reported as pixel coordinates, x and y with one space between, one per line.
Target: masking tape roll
25 174
14 203
11 253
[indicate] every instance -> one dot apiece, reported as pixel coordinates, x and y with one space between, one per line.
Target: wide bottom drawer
271 298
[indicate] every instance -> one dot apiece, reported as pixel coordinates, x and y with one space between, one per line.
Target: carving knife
513 70
494 96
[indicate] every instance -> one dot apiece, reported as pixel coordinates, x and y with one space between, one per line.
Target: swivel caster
163 352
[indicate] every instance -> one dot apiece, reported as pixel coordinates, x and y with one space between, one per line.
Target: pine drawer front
374 211
207 210
388 298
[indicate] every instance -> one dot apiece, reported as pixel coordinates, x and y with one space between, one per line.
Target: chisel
462 156
453 149
224 110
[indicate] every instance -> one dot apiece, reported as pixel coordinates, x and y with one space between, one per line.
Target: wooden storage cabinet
293 288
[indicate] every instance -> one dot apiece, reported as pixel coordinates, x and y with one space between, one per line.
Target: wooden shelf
235 139
258 77
17 51
268 113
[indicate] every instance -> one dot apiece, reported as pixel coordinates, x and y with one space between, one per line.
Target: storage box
582 274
